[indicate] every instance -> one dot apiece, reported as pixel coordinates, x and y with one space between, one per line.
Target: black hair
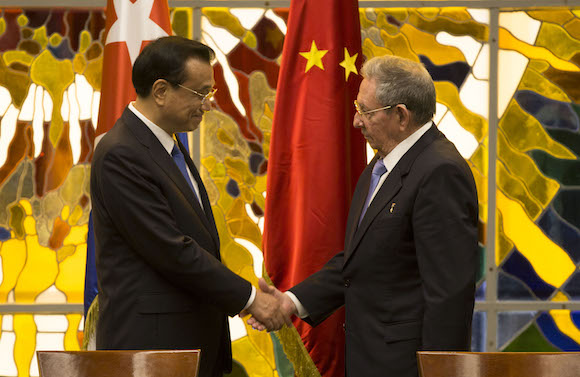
165 58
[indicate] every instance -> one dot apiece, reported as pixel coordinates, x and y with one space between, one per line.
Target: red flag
316 157
130 24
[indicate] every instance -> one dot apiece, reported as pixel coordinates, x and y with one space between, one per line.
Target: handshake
270 310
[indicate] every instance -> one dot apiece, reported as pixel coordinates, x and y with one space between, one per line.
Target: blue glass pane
511 288
561 232
455 72
550 113
518 266
480 292
511 324
572 286
478 331
554 335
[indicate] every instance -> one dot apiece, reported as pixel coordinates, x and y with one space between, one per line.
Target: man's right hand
266 310
286 307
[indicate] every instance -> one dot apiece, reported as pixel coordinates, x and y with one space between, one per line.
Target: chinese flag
316 157
130 25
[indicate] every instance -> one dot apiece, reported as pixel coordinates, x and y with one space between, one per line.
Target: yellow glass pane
371 50
517 191
560 297
250 40
398 44
522 166
565 324
573 27
71 341
181 22
426 44
41 37
503 245
71 277
253 362
38 273
77 235
55 76
536 82
525 133
455 13
448 95
85 41
240 225
224 138
551 263
25 344
508 42
476 30
384 25
223 18
557 40
17 56
13 253
557 16
16 82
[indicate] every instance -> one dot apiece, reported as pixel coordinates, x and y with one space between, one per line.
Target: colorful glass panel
49 93
538 161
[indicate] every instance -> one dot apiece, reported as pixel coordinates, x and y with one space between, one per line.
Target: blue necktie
180 162
378 170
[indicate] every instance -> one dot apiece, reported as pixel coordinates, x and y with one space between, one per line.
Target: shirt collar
399 151
164 138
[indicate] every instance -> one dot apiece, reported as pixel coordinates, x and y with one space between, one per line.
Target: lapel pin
392 207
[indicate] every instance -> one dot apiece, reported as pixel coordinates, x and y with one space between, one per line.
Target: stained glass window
538 200
50 69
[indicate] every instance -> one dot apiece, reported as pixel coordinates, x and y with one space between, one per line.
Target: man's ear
159 91
404 117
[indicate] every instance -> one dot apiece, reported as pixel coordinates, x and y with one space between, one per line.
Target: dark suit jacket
407 273
161 282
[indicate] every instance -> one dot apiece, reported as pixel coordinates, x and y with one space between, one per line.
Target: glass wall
50 69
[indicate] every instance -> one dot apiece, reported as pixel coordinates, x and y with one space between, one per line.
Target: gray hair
401 80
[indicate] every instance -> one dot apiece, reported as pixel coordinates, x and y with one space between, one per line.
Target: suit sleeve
445 229
322 293
133 201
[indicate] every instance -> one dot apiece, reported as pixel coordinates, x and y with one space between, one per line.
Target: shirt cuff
302 312
251 299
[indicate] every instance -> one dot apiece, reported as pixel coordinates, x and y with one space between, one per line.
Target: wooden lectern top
162 363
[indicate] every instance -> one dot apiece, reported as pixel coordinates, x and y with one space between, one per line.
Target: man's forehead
366 93
199 72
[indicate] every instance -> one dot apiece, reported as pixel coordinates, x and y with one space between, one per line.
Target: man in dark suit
161 281
407 273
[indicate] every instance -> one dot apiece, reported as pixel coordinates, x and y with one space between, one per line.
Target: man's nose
206 106
357 121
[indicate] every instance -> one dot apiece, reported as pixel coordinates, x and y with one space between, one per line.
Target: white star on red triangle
133 25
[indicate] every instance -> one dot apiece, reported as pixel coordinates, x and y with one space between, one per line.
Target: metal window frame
491 305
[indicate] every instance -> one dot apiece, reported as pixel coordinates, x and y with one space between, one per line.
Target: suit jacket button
344 326
347 283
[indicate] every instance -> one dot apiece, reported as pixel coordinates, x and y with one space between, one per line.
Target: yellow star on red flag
349 64
313 57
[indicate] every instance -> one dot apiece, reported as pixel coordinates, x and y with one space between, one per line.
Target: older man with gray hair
407 273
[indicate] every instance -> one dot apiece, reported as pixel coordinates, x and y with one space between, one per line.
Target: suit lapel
166 163
208 213
388 190
391 186
357 203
